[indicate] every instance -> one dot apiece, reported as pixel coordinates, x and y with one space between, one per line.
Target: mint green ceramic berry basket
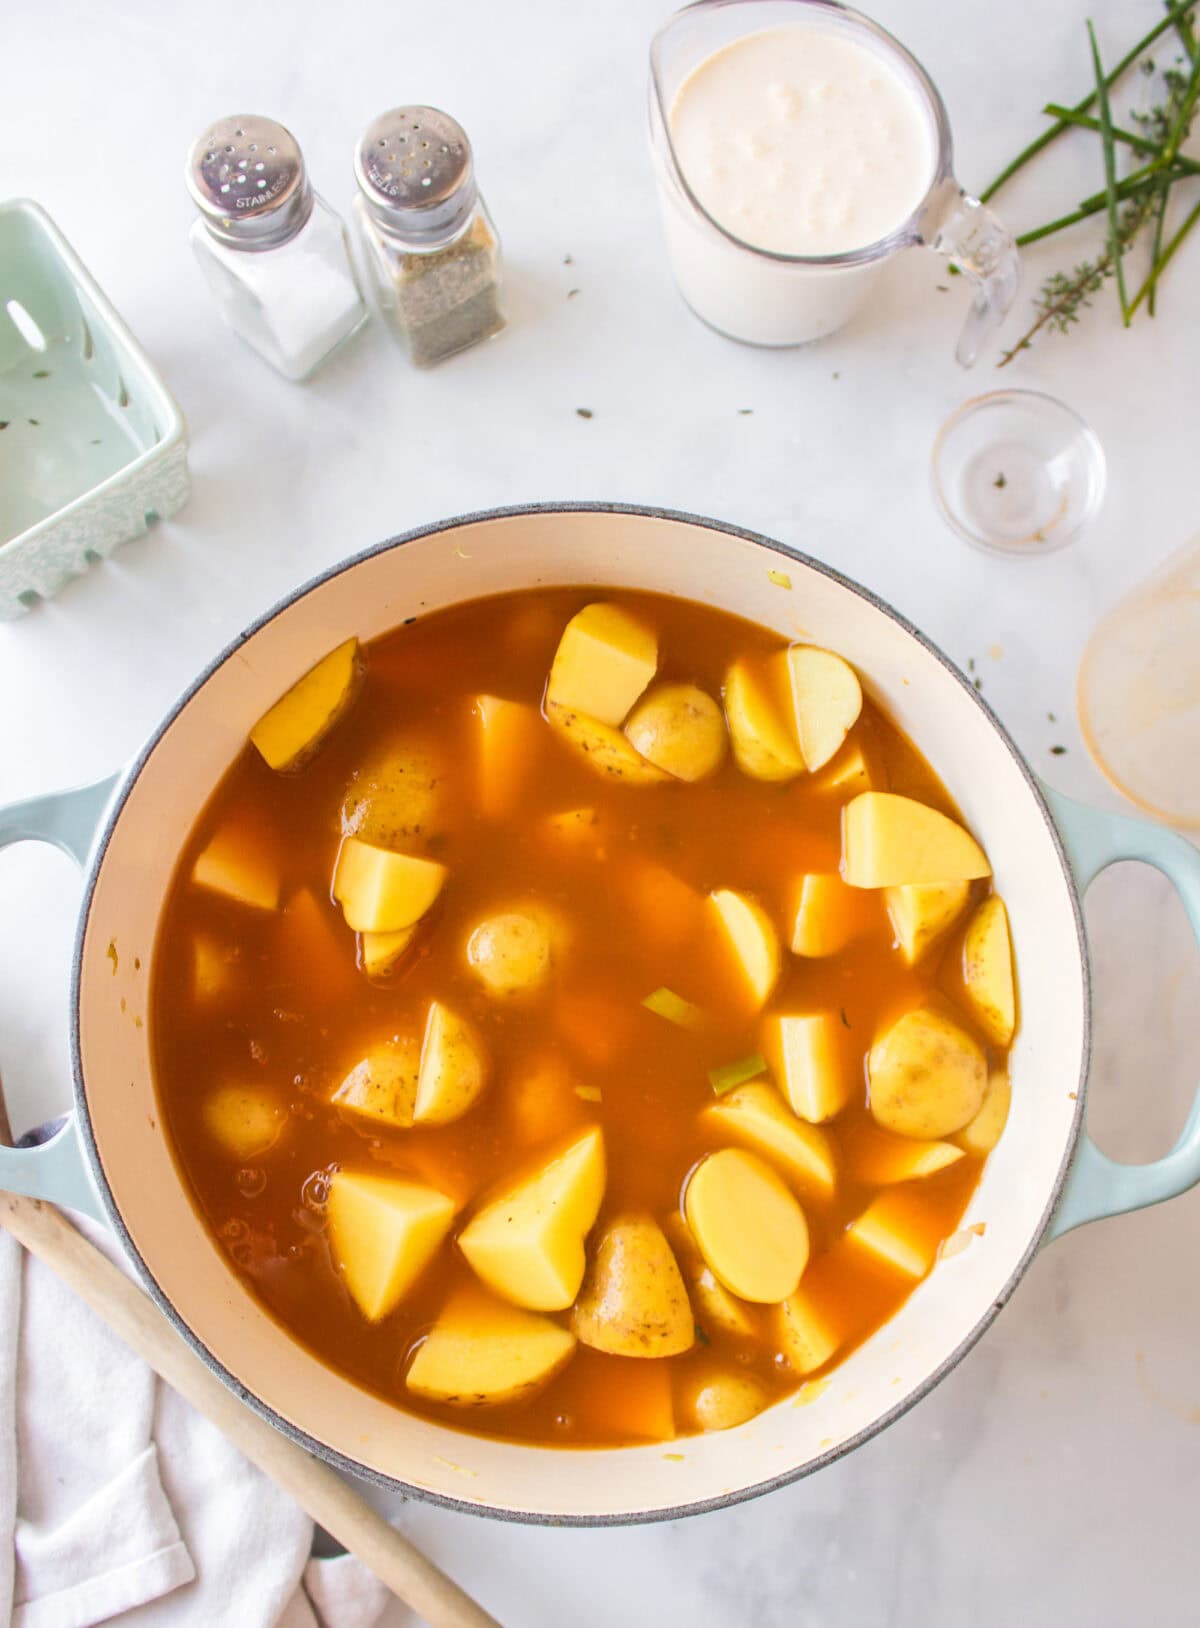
93 446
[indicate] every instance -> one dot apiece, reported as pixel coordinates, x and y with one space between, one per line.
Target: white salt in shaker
431 251
273 252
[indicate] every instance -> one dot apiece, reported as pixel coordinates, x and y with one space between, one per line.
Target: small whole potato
511 953
927 1076
679 728
727 1400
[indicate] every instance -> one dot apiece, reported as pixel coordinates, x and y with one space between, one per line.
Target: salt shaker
432 254
274 254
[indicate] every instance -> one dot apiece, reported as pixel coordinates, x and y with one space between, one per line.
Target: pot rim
390 1483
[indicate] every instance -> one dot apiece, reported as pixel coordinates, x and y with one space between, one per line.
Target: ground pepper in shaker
274 254
432 252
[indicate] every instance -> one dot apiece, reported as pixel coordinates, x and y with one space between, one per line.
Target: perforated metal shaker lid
416 173
246 176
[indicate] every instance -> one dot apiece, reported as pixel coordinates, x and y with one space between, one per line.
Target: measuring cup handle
983 249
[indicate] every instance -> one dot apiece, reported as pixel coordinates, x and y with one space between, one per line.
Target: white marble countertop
1054 1476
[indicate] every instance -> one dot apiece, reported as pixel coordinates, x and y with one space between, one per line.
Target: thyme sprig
1132 203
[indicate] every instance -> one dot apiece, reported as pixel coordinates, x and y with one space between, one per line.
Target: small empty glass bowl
1017 472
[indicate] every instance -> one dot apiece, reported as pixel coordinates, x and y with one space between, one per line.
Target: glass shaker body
437 300
294 303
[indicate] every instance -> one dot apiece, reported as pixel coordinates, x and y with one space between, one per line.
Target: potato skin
726 1400
510 952
679 728
633 1302
927 1076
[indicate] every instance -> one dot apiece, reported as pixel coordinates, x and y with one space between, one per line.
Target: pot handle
57 1169
1098 1186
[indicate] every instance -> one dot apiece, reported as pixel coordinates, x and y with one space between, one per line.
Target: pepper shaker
273 252
432 254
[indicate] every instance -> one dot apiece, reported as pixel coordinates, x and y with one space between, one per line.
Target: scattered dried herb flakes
953 271
1001 481
4 423
36 422
571 293
837 375
568 259
943 288
1058 751
970 664
1051 718
978 683
744 412
845 1019
584 412
42 373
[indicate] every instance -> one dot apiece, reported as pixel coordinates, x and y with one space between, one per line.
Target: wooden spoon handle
318 1490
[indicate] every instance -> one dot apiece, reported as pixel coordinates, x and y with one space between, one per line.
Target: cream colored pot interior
483 557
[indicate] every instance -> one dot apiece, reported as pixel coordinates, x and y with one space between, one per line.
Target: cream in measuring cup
795 159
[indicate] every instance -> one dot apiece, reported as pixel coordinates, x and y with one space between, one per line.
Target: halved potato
980 1136
605 659
724 1400
295 726
482 1352
889 840
398 797
247 1120
899 1230
603 747
453 1068
678 728
927 1076
527 1244
382 951
853 770
763 743
633 1302
382 1088
512 952
826 701
757 1116
749 1228
827 915
878 1159
383 1232
510 733
813 1056
751 936
381 891
988 971
921 912
239 864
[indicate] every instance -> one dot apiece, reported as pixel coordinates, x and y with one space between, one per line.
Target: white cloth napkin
120 1504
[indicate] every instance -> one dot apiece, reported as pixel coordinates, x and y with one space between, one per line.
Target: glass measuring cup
767 298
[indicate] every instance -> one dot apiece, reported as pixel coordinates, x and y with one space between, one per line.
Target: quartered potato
927 1075
722 1401
979 1136
633 1302
482 1352
716 1309
295 726
750 934
756 1116
398 799
813 1055
527 1245
512 952
827 915
988 971
380 952
807 1333
604 748
240 864
453 1068
923 912
246 1120
888 840
510 733
605 659
680 729
381 891
383 1233
898 1230
878 1159
747 1225
826 701
763 742
849 773
382 1088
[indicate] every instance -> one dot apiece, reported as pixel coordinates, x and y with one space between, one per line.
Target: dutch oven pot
113 1160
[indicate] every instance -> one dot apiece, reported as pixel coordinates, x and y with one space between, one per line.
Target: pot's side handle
1097 1185
57 1169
